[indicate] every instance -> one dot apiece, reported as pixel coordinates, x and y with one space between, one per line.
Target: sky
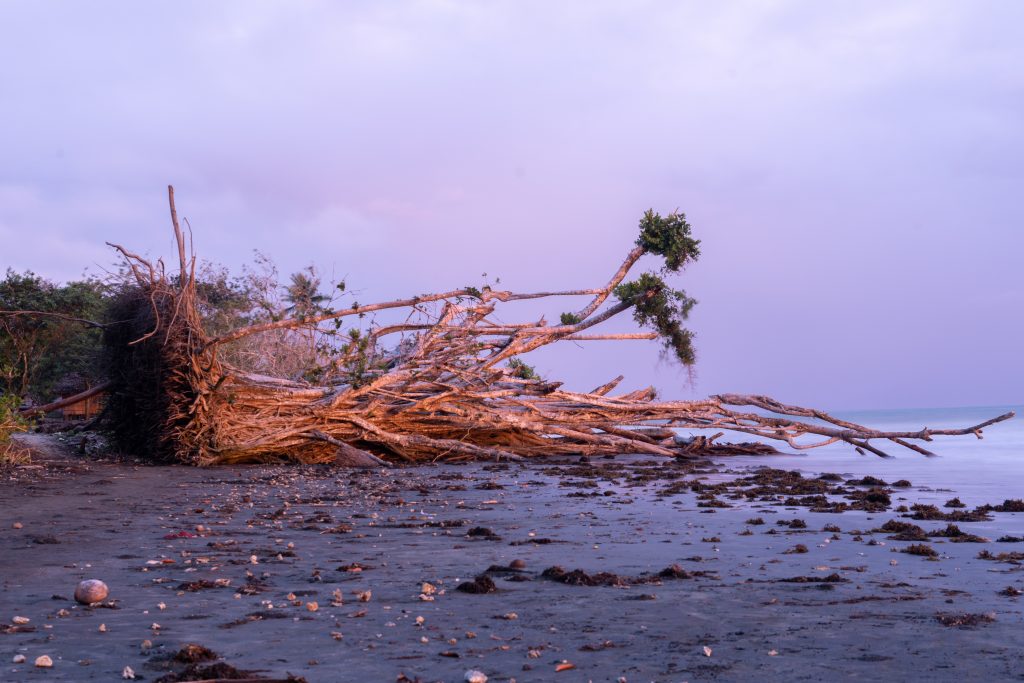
852 169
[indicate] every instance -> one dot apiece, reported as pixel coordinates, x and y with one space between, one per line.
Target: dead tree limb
454 389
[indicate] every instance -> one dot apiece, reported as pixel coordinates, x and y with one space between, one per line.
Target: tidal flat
634 569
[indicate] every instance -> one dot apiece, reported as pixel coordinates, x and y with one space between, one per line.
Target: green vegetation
668 237
11 422
37 351
522 370
662 309
570 319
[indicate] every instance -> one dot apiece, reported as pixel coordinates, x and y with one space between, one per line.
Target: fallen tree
453 388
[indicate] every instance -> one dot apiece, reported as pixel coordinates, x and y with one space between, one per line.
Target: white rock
19 659
474 676
44 662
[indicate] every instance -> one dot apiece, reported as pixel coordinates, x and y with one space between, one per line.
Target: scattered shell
128 673
16 525
44 661
103 628
312 606
91 591
474 676
21 620
428 588
564 666
364 596
19 659
773 653
707 651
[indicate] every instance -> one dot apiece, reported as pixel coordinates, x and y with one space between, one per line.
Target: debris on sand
191 663
831 578
1011 558
921 549
965 620
930 512
483 533
956 535
578 577
480 585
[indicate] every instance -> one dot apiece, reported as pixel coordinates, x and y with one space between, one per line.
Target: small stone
518 564
91 591
21 620
19 659
44 661
16 525
474 676
312 606
103 628
428 588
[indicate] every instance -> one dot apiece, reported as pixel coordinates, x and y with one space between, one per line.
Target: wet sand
781 600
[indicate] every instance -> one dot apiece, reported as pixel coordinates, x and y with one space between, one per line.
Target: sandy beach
322 574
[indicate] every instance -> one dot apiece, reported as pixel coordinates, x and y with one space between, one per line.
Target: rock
91 591
44 662
517 564
19 659
474 676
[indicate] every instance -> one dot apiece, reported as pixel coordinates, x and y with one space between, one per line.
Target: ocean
978 471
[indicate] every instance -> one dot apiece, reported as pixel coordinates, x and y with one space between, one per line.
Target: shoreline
746 592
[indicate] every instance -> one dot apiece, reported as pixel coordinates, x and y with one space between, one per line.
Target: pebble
44 661
19 659
474 676
91 591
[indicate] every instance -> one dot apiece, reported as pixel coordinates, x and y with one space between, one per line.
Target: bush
10 422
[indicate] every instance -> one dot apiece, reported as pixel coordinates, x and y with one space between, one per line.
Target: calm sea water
988 470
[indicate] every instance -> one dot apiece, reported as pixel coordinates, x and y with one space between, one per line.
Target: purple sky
853 169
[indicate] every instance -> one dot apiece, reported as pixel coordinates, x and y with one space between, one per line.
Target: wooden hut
72 384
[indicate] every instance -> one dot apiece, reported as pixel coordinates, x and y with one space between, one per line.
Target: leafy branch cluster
656 305
517 368
669 237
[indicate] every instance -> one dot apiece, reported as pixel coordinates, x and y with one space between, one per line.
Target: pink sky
853 170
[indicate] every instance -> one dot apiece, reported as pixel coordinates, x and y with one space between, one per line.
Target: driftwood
448 394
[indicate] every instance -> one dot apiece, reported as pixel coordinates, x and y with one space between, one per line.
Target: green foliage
662 309
37 351
668 237
473 291
10 422
570 319
522 370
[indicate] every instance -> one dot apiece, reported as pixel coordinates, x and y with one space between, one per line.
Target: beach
354 575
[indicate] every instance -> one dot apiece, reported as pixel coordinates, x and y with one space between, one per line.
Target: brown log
69 401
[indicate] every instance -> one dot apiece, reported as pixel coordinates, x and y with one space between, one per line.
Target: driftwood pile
448 392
